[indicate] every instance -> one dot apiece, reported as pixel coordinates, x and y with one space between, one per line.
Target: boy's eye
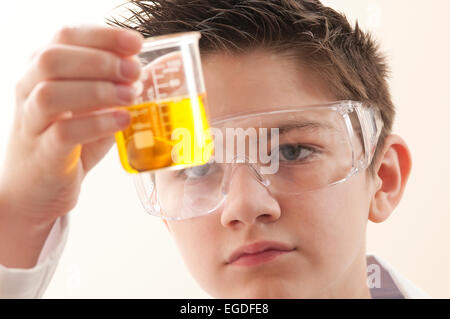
197 171
290 152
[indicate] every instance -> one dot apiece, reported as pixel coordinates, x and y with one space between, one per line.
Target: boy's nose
249 200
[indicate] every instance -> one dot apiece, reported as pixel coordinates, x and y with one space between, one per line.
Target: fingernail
125 93
122 118
130 69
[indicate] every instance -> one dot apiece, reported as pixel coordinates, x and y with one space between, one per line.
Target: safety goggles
298 150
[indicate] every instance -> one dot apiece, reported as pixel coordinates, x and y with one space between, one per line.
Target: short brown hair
346 59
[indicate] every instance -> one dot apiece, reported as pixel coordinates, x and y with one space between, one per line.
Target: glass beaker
169 120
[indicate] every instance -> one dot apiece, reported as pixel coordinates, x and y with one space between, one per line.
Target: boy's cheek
197 236
201 248
327 221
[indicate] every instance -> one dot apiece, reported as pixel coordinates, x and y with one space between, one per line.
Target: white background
115 250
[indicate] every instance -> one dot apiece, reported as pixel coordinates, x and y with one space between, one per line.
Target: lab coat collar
392 285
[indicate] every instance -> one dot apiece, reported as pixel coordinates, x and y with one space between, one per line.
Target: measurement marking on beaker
171 70
163 85
155 83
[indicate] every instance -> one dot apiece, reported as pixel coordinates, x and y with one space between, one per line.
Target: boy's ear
391 174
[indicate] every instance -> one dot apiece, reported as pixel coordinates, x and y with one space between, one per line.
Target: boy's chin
267 291
263 295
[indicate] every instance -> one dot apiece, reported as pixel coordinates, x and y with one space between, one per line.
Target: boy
299 233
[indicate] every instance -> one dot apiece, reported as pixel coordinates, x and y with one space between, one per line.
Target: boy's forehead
258 81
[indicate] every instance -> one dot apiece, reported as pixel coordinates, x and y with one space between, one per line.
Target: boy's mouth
257 253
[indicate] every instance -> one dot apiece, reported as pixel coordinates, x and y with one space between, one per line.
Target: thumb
93 152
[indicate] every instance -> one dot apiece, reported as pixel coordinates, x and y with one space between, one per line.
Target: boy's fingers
123 42
63 135
51 98
63 62
93 152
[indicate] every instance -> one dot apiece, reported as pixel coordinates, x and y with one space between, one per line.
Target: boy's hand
56 138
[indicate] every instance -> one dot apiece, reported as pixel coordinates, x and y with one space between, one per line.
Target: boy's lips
258 252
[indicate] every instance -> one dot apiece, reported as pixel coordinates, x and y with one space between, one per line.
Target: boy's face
325 229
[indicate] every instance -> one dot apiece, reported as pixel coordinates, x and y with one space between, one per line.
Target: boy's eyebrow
303 125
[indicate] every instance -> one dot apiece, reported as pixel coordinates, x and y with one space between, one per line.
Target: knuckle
64 34
97 124
101 124
59 134
108 65
100 92
43 96
28 110
47 59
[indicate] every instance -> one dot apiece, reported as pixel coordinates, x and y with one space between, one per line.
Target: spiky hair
345 58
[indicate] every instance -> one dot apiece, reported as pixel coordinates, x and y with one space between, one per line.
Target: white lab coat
32 282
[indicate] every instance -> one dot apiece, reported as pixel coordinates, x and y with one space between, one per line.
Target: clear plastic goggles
301 149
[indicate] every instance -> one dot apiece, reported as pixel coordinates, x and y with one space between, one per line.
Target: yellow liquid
147 144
